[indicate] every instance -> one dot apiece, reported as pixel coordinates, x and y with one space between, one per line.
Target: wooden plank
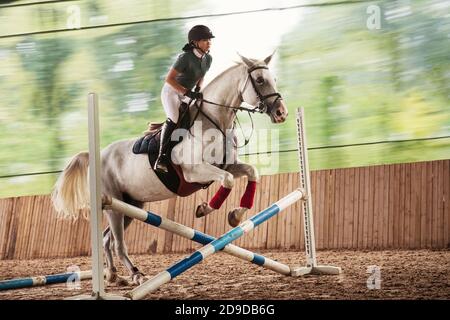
446 197
393 197
396 206
348 207
407 221
371 210
335 206
441 200
256 234
187 221
415 205
326 210
355 205
331 190
287 217
314 190
423 205
320 213
363 207
6 227
386 199
18 212
178 218
36 227
341 208
232 203
272 223
401 208
27 207
436 201
50 233
378 205
264 202
289 227
298 207
168 236
430 200
161 237
279 227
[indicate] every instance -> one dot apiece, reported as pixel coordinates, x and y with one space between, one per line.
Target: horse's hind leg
111 271
118 223
108 245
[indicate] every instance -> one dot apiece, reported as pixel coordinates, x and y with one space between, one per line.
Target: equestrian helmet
199 32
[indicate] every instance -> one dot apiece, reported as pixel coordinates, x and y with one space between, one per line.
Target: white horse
128 176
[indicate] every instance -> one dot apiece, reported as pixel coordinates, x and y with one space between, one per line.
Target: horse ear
246 61
267 60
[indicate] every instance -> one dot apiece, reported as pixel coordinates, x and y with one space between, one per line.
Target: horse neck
223 90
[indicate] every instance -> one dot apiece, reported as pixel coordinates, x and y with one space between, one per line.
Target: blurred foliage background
383 85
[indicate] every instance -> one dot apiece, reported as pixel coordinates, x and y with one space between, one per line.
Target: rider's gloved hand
197 88
194 95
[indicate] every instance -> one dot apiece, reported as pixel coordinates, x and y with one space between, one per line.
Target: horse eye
260 80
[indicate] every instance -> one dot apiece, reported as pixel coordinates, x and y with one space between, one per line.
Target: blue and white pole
214 246
44 280
192 234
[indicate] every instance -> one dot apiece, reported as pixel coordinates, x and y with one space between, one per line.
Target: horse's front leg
204 173
240 169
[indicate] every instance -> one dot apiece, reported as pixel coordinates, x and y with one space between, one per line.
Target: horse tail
71 191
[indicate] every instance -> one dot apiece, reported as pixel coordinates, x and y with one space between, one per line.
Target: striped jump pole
192 234
44 280
214 246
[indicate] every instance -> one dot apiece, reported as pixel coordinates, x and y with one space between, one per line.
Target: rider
187 71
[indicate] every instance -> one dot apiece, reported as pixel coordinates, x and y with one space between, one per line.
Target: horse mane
153 127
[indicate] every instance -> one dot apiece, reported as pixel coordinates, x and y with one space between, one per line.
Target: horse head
259 88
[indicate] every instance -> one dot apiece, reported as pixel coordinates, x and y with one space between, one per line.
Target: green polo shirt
191 68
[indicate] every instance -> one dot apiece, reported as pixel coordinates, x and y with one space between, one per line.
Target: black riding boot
163 159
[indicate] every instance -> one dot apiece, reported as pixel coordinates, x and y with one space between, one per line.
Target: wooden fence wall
379 207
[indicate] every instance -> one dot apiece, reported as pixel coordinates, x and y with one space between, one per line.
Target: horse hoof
111 276
202 210
122 282
232 220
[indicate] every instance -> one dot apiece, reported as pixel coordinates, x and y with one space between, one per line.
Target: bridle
261 107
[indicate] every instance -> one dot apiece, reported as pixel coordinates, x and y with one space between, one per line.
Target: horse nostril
279 113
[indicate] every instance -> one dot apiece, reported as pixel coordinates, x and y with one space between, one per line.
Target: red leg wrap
219 197
249 195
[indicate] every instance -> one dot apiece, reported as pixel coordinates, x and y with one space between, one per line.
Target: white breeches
171 101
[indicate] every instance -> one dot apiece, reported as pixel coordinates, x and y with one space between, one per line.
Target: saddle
149 144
